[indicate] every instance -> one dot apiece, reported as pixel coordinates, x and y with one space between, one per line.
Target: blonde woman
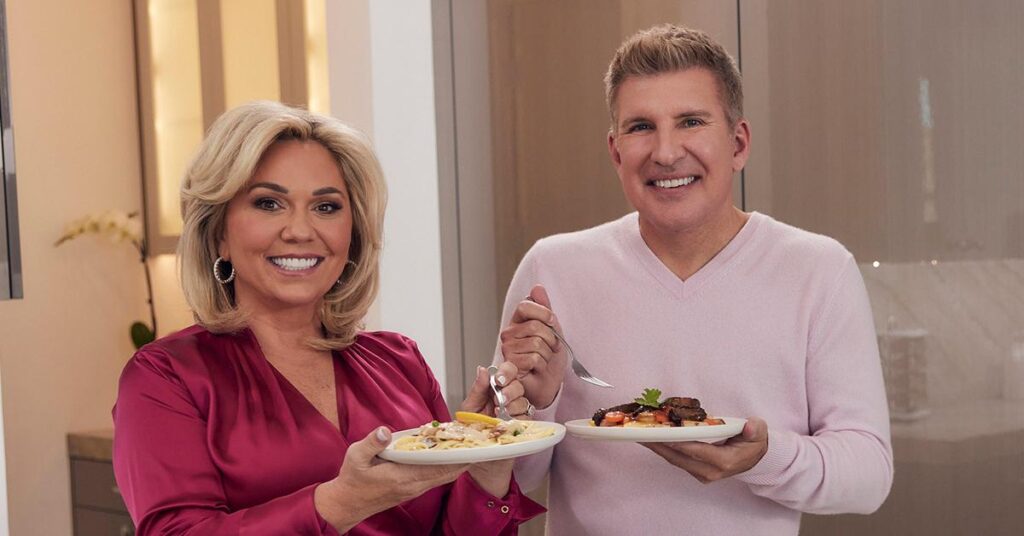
267 415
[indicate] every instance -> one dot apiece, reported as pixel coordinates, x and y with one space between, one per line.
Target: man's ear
741 138
613 151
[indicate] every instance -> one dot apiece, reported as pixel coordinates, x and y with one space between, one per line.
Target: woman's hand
494 477
366 484
480 399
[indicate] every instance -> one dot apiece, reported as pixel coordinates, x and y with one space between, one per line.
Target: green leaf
650 398
141 335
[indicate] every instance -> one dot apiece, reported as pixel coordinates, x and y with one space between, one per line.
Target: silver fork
578 369
503 414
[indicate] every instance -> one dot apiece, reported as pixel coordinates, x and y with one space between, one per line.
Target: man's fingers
696 468
531 336
754 431
528 310
528 363
539 295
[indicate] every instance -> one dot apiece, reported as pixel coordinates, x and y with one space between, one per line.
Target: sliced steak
629 409
678 414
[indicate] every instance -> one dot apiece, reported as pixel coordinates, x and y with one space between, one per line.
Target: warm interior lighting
249 50
316 56
177 100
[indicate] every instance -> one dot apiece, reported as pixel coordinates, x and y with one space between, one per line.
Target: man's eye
266 203
327 208
638 127
692 122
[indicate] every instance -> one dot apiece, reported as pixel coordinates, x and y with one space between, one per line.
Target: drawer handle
115 490
127 530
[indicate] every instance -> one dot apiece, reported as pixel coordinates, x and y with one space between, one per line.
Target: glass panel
893 127
250 52
10 250
177 102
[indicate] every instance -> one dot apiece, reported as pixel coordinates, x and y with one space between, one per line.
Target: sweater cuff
548 413
782 451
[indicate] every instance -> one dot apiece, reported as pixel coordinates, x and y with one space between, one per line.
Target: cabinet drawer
96 523
94 485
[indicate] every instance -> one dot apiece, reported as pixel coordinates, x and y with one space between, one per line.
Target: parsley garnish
649 398
435 424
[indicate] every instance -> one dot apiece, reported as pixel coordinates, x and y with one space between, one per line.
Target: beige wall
76 141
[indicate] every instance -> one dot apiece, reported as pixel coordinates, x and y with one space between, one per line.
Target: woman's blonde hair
225 162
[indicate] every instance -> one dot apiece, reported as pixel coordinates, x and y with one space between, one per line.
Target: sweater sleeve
530 470
845 465
164 470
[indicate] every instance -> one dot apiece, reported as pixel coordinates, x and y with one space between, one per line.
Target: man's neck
686 251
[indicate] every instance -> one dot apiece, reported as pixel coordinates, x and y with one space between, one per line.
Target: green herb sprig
650 398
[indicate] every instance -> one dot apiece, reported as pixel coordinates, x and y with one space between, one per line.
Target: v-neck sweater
209 438
777 325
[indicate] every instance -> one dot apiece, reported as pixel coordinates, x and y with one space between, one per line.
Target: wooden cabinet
96 502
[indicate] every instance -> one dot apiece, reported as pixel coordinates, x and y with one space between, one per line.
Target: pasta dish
472 430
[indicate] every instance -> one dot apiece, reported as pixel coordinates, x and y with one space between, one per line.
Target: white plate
707 434
470 455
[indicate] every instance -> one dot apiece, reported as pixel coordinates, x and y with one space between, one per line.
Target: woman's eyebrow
270 186
327 190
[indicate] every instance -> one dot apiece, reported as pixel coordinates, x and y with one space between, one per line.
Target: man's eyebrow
327 190
270 186
703 114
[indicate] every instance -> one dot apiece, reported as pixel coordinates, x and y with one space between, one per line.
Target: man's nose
668 149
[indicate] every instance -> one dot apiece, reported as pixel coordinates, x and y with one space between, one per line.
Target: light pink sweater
776 326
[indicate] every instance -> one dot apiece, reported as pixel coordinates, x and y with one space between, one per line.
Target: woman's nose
298 228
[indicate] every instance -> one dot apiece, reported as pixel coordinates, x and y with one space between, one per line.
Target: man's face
674 150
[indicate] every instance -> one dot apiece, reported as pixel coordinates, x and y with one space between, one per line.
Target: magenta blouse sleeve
166 475
468 508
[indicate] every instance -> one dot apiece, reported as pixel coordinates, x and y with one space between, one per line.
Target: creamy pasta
486 432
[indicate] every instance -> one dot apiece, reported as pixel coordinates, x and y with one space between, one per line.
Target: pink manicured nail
382 434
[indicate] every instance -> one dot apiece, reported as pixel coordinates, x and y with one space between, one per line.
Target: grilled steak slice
680 402
629 409
678 414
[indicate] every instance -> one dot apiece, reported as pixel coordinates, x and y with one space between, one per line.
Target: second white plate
708 434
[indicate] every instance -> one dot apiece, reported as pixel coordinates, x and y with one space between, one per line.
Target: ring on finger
530 409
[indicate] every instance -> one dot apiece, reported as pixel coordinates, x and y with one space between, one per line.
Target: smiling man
691 295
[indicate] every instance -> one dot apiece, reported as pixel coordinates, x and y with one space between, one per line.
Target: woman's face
287 232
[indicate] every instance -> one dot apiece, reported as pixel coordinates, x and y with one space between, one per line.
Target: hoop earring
217 271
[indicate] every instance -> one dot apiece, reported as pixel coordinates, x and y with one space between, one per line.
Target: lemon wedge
470 417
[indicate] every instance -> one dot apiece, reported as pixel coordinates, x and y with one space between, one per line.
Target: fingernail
501 380
382 434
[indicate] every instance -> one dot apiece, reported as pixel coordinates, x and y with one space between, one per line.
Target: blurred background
890 126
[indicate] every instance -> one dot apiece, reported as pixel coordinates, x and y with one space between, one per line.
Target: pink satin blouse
209 438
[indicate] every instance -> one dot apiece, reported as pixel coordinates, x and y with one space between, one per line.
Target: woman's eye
266 203
327 208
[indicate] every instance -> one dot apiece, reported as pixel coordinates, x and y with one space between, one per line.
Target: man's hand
529 344
708 463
